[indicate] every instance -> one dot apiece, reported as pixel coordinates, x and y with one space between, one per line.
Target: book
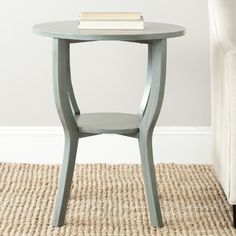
110 16
107 24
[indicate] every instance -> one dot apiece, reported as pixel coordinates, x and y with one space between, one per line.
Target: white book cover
110 16
111 24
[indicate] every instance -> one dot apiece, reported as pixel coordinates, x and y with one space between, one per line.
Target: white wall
45 145
104 69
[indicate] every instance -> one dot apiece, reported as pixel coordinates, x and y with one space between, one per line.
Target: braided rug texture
109 200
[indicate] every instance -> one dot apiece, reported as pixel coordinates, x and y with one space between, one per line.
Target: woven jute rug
110 200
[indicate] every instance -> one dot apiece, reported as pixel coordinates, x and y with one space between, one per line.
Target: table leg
147 88
66 108
71 92
151 110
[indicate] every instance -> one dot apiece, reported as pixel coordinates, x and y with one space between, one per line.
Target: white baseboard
45 145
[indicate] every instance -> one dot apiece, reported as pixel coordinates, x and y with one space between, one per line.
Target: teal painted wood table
79 125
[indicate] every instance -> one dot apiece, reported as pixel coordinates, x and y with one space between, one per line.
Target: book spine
110 25
109 16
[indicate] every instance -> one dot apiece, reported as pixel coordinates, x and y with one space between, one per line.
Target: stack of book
111 20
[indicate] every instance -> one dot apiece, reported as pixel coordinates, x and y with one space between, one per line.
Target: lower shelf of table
117 123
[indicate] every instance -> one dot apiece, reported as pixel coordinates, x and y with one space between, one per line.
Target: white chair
223 82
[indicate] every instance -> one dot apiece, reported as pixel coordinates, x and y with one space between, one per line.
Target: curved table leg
151 110
71 92
66 109
147 88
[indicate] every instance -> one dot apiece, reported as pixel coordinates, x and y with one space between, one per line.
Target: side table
78 125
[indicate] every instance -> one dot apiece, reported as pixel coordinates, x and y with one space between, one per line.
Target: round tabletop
69 30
